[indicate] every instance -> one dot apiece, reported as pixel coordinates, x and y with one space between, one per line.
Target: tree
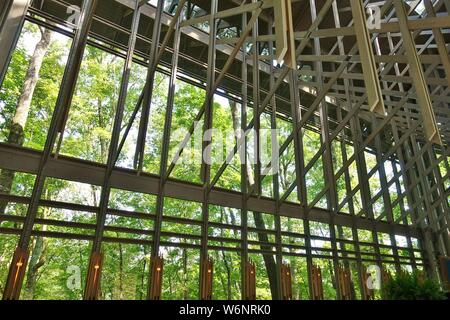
16 134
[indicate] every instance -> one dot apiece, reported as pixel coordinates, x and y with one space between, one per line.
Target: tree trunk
227 286
169 277
332 275
144 266
121 293
16 130
269 261
102 140
37 260
185 276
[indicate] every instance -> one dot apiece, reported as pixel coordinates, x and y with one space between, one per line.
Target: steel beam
12 18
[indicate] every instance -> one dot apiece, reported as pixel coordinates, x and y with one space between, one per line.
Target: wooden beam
416 71
92 288
264 4
16 274
317 285
250 281
206 279
440 42
371 80
290 58
281 29
156 275
286 281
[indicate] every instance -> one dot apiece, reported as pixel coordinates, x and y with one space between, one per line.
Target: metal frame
337 107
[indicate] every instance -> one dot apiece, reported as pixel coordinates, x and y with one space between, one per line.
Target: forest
57 267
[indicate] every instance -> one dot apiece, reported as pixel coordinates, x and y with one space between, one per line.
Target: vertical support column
206 152
344 278
113 152
275 171
300 169
12 17
92 288
317 285
206 282
328 167
444 263
286 282
16 273
155 287
348 188
250 281
256 102
113 147
244 178
348 185
148 92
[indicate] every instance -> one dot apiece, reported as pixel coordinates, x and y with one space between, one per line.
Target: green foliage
46 91
412 286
